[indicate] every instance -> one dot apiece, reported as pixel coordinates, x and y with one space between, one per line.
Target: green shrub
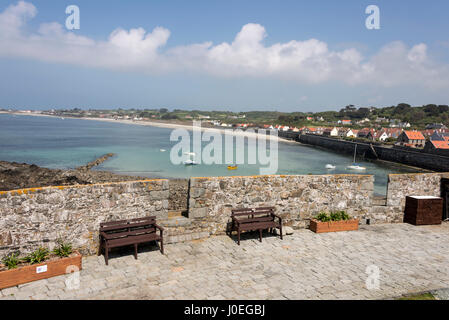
323 217
345 216
333 216
63 249
37 256
11 261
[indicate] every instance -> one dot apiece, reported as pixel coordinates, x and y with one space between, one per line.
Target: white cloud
309 61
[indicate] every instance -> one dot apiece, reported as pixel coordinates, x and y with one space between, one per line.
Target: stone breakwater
39 216
96 162
428 161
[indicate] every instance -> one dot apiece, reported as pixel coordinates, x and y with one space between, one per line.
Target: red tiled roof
440 144
414 135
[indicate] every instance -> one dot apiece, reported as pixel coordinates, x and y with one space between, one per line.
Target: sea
145 151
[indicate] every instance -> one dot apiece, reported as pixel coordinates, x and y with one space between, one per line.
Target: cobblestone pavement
304 265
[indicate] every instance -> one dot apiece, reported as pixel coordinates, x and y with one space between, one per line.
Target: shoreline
166 125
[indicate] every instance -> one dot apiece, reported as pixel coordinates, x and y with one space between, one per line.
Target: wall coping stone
76 186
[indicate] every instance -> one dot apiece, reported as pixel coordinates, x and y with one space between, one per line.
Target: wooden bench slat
257 226
115 235
130 225
255 219
113 223
133 240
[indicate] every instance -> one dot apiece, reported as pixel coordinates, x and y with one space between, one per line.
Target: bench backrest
130 224
250 215
251 211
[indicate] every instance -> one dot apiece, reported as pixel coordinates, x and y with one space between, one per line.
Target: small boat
232 167
162 150
330 167
355 166
191 161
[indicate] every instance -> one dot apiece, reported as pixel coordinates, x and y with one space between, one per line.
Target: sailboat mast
355 151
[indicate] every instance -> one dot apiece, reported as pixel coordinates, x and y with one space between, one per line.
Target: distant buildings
381 135
436 126
396 123
345 122
366 133
412 139
330 132
436 145
439 136
346 133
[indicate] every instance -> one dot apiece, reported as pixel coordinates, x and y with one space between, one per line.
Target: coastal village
389 132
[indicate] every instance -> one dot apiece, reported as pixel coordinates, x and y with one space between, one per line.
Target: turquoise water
68 143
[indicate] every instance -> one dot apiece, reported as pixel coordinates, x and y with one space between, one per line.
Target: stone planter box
333 226
48 269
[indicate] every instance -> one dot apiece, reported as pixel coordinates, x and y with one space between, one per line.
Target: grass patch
421 296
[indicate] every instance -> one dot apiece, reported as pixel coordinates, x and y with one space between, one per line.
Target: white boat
191 161
330 167
355 166
162 150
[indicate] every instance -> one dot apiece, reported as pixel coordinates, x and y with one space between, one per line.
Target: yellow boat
232 167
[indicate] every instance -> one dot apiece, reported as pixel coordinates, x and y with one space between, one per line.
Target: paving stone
305 265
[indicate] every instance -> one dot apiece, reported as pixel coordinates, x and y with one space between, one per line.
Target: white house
331 132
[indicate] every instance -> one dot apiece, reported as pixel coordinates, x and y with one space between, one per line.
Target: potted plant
39 264
333 222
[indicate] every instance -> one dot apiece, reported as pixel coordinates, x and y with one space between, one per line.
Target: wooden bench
255 219
129 232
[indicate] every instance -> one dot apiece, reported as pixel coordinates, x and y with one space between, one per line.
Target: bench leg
280 230
106 251
135 251
100 249
260 235
162 245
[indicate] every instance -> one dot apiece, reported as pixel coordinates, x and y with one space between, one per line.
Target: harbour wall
40 216
412 158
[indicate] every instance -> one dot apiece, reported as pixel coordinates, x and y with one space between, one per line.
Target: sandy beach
164 125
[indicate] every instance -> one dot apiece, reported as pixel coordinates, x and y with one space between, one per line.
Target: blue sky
291 56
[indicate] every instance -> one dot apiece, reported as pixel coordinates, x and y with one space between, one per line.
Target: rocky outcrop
21 175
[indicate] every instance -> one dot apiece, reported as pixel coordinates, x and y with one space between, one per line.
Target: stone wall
296 198
414 184
32 217
179 191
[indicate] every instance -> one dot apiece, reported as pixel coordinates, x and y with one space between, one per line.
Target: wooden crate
423 210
